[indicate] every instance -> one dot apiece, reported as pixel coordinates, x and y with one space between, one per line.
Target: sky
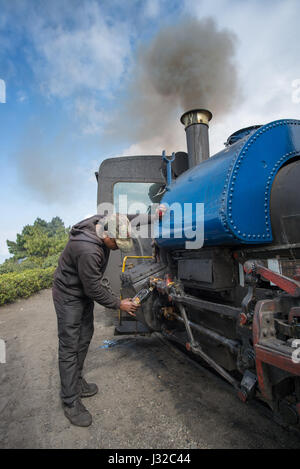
67 66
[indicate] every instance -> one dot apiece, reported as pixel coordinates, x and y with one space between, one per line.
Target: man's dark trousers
75 322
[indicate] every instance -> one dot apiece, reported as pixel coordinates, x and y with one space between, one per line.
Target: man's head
115 232
110 243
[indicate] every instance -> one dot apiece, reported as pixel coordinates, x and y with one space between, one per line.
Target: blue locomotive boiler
235 187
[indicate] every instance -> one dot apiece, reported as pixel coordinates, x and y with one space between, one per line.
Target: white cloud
22 96
87 172
90 115
88 53
80 54
152 8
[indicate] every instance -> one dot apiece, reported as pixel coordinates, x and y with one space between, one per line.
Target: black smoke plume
186 66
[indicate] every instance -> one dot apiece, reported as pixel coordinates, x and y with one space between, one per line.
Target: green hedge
23 284
12 265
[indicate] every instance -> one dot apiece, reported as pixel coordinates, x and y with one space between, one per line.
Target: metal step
131 327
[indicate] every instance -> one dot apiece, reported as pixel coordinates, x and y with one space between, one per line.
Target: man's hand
128 306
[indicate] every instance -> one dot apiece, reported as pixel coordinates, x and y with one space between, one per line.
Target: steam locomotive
234 301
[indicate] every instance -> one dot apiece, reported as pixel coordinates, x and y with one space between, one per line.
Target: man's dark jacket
82 264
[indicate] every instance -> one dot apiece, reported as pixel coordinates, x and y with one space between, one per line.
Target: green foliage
50 261
11 265
17 248
41 239
35 256
23 284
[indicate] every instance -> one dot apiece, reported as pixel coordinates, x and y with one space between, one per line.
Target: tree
40 239
56 226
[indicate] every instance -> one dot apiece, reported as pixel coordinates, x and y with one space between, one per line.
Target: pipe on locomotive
196 124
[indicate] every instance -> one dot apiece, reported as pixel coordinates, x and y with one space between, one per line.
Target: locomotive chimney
196 128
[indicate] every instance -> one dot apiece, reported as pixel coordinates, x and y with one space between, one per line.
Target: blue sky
67 65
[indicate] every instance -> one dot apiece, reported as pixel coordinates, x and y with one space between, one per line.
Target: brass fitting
196 116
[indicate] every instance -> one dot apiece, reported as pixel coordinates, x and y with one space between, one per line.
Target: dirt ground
150 396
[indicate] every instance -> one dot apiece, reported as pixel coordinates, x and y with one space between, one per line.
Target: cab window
136 197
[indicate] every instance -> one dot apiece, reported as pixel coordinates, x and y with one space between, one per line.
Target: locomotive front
234 300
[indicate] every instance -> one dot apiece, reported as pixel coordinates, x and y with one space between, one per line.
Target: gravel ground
150 396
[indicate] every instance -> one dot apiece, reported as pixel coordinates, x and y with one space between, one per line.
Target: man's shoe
78 414
87 389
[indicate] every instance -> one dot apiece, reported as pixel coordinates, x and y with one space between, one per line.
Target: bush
13 265
10 265
23 284
50 261
30 263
